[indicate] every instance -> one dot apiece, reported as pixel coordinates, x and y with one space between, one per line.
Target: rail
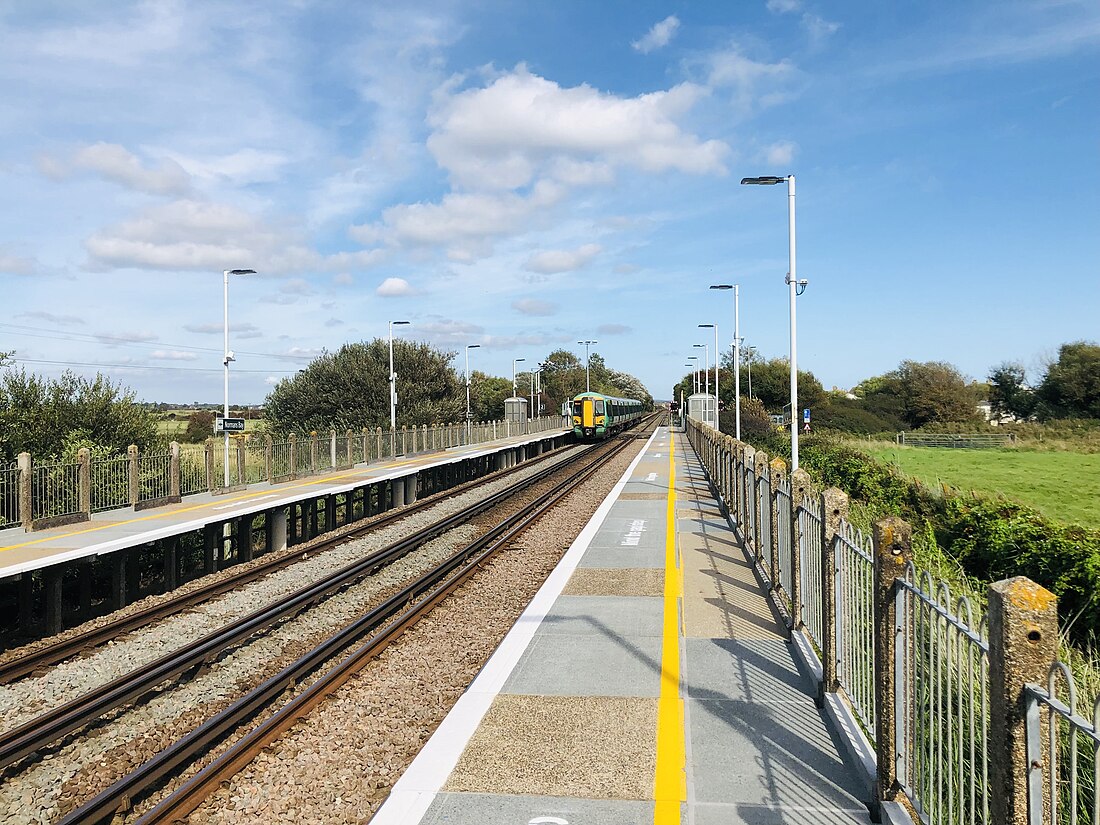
968 441
919 673
40 494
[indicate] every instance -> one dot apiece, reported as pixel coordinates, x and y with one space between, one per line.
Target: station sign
806 416
229 425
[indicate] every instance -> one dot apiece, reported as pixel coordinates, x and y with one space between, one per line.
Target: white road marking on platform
634 536
651 477
548 820
241 503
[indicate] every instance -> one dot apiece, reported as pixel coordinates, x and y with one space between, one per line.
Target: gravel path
80 768
338 765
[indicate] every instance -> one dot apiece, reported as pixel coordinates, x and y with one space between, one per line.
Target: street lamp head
473 346
699 346
706 326
766 180
517 360
396 323
721 286
239 271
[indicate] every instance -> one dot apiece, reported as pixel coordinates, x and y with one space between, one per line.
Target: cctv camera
229 356
803 282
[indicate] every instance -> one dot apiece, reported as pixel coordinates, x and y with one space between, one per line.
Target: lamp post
514 362
534 375
393 393
468 348
694 372
796 288
715 326
587 379
736 355
705 381
227 357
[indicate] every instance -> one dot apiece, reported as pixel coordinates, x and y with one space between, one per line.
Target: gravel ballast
338 765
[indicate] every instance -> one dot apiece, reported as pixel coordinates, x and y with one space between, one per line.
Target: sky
523 176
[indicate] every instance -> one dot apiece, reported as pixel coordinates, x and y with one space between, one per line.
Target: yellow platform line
670 780
314 481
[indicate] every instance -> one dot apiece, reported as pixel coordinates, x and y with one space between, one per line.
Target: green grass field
1061 485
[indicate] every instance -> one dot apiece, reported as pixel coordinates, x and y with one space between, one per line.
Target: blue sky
526 175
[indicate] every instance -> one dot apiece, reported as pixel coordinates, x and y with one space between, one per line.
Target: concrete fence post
893 542
778 474
378 440
801 492
174 480
834 509
209 460
350 436
292 464
1023 644
269 459
760 460
332 449
84 473
242 457
135 475
423 437
313 447
366 446
26 486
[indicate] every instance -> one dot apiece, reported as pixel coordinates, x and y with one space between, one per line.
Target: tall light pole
468 348
587 378
228 356
534 375
704 383
393 393
514 362
796 288
694 372
736 355
715 326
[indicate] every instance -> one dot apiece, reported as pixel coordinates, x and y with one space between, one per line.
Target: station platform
114 530
647 682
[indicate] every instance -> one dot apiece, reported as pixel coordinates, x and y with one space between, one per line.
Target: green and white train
597 416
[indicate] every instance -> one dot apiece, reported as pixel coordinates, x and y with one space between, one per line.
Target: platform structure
649 681
65 574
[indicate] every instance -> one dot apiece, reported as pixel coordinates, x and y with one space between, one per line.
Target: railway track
36 660
384 621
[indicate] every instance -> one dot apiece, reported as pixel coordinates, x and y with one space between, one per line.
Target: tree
200 426
1071 386
771 383
349 389
928 392
1009 392
42 415
487 394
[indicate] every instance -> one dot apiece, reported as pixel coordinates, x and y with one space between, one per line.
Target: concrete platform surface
647 682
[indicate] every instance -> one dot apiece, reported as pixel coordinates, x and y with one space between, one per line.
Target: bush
200 426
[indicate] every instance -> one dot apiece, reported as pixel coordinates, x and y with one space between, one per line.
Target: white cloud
818 27
613 329
296 286
513 131
533 306
173 355
343 279
272 380
780 154
784 6
658 36
754 83
113 338
334 322
118 165
16 265
394 288
448 332
242 167
50 318
561 260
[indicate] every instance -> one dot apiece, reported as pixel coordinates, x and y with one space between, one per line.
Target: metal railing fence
939 674
855 606
64 489
55 490
1063 747
9 494
942 734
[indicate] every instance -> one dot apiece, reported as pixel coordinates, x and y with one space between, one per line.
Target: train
597 416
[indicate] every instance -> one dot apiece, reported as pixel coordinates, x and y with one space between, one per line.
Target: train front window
578 407
599 407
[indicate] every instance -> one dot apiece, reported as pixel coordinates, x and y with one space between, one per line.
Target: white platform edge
418 786
257 505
